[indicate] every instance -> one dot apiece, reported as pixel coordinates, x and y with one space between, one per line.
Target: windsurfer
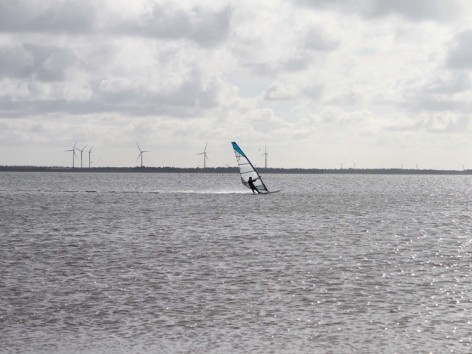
250 182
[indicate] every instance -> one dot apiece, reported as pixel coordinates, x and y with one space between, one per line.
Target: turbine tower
81 154
140 155
89 153
205 156
73 154
266 155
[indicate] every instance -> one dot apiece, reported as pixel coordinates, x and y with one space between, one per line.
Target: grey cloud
348 99
435 124
440 105
432 104
410 9
438 96
51 64
313 92
268 69
21 108
294 63
15 61
265 125
329 4
207 28
460 56
458 82
166 20
192 97
277 92
44 63
295 60
417 9
46 16
319 41
363 8
446 124
192 92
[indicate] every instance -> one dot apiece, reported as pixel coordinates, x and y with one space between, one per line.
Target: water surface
119 263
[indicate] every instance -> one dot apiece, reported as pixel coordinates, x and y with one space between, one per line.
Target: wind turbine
81 154
266 155
205 157
140 155
90 152
73 154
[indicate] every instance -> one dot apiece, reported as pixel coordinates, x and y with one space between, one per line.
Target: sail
247 170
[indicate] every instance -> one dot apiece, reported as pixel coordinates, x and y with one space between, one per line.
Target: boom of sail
246 169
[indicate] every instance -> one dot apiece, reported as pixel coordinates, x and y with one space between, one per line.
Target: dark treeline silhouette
221 170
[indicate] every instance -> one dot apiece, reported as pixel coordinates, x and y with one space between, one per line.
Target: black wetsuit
252 186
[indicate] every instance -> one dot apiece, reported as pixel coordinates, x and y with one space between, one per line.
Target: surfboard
271 192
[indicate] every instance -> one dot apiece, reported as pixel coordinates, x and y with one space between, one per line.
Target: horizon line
234 169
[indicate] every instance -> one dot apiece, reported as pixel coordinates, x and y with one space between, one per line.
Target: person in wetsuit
252 186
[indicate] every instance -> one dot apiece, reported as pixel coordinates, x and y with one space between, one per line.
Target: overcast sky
375 83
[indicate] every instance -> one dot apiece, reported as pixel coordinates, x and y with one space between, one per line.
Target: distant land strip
231 170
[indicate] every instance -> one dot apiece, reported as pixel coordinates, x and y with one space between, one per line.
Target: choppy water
119 263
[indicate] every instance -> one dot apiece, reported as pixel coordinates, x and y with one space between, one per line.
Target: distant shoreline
231 170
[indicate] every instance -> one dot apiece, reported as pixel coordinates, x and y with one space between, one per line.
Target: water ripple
119 263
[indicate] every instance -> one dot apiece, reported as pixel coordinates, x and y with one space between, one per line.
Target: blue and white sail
246 169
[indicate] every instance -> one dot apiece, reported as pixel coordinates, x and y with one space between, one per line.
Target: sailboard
246 169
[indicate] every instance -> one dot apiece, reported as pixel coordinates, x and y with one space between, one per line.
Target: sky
319 84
